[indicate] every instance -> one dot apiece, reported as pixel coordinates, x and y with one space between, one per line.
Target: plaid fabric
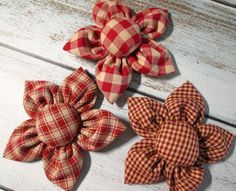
153 22
100 128
64 165
105 10
57 124
176 142
61 125
24 144
121 35
86 44
113 76
152 59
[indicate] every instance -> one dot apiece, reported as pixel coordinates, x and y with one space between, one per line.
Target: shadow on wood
85 169
125 137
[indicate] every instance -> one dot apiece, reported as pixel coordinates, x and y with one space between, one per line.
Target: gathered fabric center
120 37
178 143
57 124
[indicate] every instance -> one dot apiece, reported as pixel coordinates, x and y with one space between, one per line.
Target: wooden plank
201 38
230 3
103 170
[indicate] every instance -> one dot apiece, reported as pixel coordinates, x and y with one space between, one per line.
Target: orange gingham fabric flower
176 142
122 42
61 125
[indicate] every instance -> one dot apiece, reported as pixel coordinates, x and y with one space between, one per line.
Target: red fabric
62 123
176 142
121 35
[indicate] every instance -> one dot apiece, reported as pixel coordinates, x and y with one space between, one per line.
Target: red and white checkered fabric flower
122 42
176 142
61 125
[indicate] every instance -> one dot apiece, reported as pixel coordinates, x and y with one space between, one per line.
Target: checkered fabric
152 59
175 143
105 10
183 149
86 44
113 76
122 35
62 123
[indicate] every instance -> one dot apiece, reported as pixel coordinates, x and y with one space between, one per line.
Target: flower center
57 124
178 143
121 37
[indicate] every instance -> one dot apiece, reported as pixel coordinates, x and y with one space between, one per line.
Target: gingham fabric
122 37
176 142
62 124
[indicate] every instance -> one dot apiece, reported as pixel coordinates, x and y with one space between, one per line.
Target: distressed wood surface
102 170
230 3
201 39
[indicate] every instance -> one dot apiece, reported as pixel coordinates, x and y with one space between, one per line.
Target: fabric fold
184 178
153 22
63 165
79 90
215 143
100 128
113 76
146 116
143 165
152 59
24 144
186 104
104 10
86 44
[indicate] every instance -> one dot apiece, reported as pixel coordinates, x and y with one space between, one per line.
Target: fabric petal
184 178
146 116
105 10
113 76
86 44
152 59
143 165
79 90
214 143
24 144
100 128
153 22
185 104
38 94
62 165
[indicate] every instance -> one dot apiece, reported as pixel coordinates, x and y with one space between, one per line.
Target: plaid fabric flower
122 42
176 142
62 123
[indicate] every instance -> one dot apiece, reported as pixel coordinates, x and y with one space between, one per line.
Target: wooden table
201 38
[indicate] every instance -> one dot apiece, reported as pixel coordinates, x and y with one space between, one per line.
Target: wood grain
201 38
230 3
102 170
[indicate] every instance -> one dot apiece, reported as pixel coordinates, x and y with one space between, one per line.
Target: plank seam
73 69
227 4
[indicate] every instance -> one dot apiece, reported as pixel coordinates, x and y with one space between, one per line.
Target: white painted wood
201 38
107 167
230 3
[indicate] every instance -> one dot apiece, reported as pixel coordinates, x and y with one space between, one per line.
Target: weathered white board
202 39
102 170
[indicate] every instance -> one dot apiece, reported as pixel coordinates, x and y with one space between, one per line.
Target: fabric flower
176 142
122 42
61 125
